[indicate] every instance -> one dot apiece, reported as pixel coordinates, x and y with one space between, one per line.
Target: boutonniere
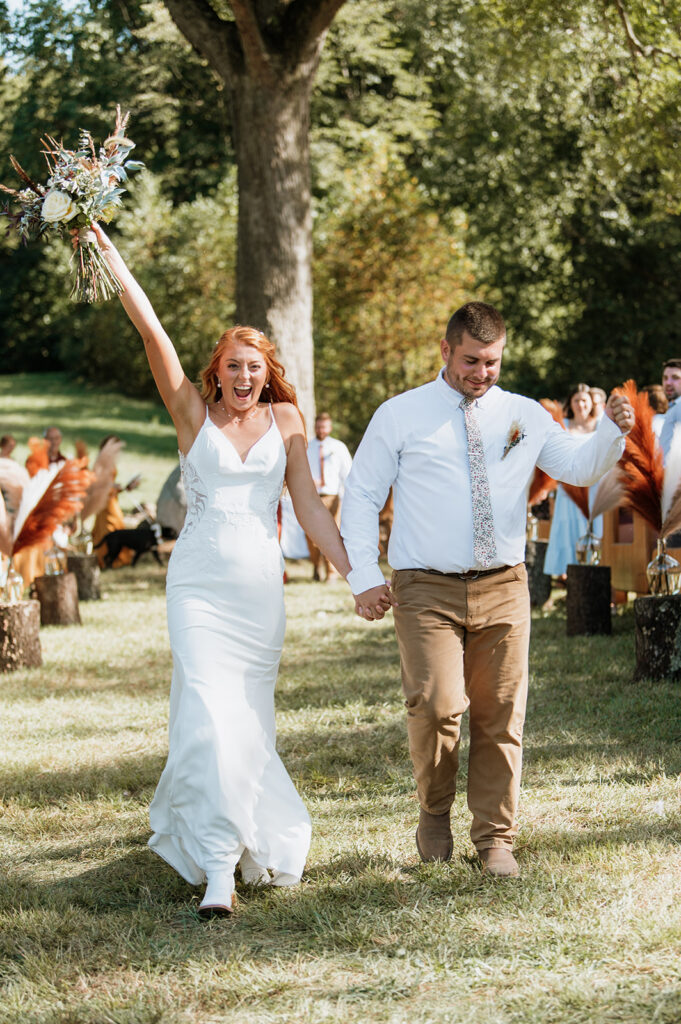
516 434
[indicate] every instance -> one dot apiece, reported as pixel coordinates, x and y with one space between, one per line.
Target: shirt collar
454 397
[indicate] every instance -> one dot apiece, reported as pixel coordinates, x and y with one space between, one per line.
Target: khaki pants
464 644
332 502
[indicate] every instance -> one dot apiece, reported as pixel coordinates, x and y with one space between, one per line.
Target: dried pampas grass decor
61 498
104 474
642 464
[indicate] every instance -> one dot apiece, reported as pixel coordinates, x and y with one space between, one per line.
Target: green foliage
561 148
184 258
389 272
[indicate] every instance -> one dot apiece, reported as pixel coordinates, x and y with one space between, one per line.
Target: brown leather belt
472 574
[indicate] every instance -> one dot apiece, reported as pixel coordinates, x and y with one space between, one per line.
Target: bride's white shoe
252 873
220 898
281 878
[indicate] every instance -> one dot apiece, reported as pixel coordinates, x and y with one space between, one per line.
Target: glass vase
531 529
13 588
663 573
55 561
588 549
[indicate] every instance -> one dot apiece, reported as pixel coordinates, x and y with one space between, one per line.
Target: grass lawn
94 928
29 403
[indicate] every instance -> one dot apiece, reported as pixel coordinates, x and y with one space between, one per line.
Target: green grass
94 928
29 403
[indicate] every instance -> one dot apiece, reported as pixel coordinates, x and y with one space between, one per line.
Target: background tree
389 271
267 58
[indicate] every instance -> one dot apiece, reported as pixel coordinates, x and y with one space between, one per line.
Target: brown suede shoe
500 862
434 836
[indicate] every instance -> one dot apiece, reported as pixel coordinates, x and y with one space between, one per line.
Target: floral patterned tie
484 544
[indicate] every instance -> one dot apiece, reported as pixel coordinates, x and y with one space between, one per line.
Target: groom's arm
586 461
374 469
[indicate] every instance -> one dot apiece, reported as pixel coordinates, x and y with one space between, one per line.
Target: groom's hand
621 412
374 603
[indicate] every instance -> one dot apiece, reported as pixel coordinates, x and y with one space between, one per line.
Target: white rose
58 206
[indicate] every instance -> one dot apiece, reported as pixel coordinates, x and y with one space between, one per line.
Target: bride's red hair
278 389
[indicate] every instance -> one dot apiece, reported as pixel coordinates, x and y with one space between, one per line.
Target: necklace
233 418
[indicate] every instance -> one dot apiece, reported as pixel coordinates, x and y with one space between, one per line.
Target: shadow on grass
131 775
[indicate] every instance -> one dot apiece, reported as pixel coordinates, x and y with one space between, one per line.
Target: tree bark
86 570
588 600
20 636
267 58
658 637
538 581
274 237
58 596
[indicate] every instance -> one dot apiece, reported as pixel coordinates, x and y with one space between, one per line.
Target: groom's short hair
478 319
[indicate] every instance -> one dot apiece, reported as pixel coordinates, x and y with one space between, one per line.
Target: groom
459 454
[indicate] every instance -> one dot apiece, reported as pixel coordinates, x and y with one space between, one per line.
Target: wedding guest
330 463
54 439
598 400
671 382
460 454
658 403
568 523
111 518
7 445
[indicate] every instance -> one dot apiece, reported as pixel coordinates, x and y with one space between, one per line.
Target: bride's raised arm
180 396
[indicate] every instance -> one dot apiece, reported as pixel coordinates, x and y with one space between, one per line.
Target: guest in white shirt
671 382
659 405
330 463
460 454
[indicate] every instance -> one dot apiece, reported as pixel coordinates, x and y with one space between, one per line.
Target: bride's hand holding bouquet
84 186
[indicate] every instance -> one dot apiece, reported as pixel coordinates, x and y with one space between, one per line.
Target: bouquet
84 185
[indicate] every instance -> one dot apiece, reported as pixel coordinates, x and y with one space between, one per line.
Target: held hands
374 603
621 412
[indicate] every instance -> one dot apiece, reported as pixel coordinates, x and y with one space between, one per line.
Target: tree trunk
588 600
266 56
274 238
86 570
20 636
658 637
58 596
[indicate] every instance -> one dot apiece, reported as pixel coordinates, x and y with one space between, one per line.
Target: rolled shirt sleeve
581 464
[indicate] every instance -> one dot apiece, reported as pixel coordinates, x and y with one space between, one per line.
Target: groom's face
472 367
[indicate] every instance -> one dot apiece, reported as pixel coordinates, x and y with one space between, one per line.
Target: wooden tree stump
538 581
58 596
588 600
20 636
658 637
87 573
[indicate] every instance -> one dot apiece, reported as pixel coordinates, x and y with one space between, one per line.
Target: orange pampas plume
62 498
542 483
642 463
38 459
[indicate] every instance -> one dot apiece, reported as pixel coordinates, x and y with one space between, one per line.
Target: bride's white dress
224 788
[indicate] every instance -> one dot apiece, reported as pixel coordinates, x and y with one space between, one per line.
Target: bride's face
242 371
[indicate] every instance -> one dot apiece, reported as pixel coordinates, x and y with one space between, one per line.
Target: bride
224 797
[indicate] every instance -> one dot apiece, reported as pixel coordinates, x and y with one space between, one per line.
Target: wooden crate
628 545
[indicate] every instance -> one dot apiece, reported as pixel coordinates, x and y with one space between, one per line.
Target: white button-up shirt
416 443
337 462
